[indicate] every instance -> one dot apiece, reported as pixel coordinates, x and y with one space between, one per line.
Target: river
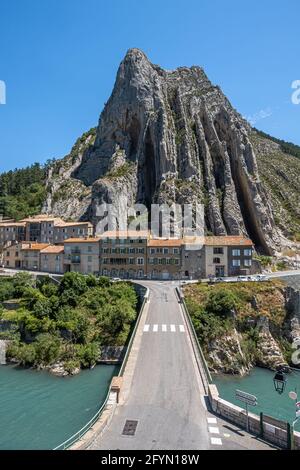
40 411
260 383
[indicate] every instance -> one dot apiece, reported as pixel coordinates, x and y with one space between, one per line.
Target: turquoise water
40 411
260 383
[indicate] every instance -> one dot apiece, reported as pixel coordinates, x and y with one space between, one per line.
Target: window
151 260
140 261
141 250
236 263
218 251
176 251
166 251
132 250
131 261
248 262
152 251
236 252
90 259
90 249
176 261
216 261
248 252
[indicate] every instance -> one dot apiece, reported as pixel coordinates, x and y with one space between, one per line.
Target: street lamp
279 381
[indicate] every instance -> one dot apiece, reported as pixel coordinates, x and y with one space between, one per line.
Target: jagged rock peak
172 136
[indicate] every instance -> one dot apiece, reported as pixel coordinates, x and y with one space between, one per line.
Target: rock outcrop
168 136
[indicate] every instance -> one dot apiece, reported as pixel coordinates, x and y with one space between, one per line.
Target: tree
21 281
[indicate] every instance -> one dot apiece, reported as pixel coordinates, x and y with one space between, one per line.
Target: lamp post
280 381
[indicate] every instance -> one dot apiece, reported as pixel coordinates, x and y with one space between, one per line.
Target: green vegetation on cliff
237 322
22 192
68 323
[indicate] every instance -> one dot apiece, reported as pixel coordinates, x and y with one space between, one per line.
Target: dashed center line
181 328
173 328
155 328
146 328
164 328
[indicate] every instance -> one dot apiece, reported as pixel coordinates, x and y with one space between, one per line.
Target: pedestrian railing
202 366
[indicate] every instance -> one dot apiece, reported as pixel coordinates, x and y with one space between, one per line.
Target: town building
164 259
228 256
52 259
13 255
65 230
82 255
12 232
30 256
124 254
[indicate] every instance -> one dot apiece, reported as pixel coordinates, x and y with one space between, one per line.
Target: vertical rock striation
171 136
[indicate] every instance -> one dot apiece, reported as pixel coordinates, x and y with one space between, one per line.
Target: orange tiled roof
125 234
72 224
230 240
53 249
12 224
165 242
36 246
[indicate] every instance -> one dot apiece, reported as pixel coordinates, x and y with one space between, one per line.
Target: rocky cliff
171 136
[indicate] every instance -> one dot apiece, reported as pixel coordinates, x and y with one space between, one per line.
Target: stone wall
271 430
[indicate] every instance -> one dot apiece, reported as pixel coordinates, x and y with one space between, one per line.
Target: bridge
163 398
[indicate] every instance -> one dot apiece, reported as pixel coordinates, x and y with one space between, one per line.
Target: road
165 395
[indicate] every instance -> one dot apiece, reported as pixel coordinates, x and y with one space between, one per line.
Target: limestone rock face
171 136
226 355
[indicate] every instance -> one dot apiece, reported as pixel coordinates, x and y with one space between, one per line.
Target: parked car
243 278
116 279
261 277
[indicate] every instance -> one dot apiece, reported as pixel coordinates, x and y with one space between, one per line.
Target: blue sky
59 59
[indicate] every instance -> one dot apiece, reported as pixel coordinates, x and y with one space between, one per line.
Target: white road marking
173 328
216 441
146 328
155 328
212 420
181 328
213 430
164 328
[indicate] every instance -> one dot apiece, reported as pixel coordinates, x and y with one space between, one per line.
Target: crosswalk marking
216 441
213 430
212 420
156 328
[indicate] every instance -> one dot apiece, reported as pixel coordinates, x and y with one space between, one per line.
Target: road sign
245 397
248 399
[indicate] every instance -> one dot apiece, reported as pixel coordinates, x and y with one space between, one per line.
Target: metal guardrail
79 434
195 338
